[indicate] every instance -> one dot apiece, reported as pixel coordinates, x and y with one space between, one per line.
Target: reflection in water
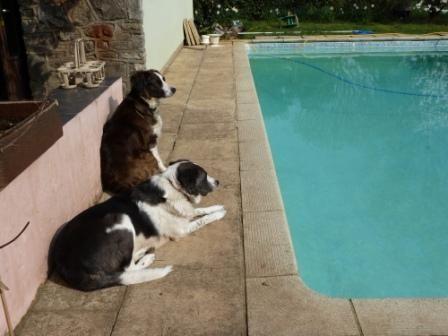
303 91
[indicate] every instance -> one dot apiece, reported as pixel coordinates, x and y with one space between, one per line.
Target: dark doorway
14 82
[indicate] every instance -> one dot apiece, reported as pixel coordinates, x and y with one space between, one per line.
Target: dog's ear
202 184
138 81
193 179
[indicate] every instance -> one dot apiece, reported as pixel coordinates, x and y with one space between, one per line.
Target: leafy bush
434 7
208 12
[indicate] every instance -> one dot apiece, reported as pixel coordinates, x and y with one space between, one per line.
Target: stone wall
113 31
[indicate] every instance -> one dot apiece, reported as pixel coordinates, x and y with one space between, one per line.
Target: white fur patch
124 224
153 102
165 87
143 275
158 125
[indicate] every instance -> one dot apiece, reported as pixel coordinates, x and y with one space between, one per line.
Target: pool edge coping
348 38
367 313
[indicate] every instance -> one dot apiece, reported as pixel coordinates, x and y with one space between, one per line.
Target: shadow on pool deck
227 280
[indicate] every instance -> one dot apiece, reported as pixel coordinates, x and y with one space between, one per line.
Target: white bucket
214 38
205 39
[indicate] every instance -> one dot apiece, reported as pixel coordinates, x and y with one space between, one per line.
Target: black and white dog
111 243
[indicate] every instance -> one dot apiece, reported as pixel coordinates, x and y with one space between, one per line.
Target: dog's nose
216 182
173 90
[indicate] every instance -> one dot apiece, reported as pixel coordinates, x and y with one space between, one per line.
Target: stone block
284 306
67 323
100 31
268 246
189 301
407 317
260 191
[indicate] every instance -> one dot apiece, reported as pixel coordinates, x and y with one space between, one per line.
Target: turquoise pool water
360 144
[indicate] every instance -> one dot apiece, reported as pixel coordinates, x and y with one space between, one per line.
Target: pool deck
237 276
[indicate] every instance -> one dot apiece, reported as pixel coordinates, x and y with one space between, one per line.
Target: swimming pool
359 137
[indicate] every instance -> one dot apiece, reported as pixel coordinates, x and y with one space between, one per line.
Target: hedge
208 12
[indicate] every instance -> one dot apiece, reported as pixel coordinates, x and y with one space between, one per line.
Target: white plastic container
214 39
205 39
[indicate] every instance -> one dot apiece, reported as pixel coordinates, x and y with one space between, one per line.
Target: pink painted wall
58 185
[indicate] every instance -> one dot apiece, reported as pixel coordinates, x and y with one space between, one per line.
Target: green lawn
317 28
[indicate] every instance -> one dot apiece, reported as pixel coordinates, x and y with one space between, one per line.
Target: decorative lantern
90 74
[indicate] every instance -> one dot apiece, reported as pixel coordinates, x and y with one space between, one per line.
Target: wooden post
5 308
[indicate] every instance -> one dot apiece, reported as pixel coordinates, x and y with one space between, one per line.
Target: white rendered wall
162 25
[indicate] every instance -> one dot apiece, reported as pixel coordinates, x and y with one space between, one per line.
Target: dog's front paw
146 260
220 214
216 208
166 270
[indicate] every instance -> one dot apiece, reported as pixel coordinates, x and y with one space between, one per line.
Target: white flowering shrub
434 7
208 12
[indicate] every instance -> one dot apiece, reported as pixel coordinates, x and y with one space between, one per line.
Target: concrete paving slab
240 60
248 111
246 97
181 80
213 67
223 112
255 155
217 245
251 130
211 59
283 306
205 92
189 301
55 295
186 60
229 196
219 77
212 149
268 247
260 191
226 171
208 131
404 317
187 74
181 97
171 116
69 322
214 106
243 74
239 56
166 144
215 84
184 66
212 64
216 67
245 85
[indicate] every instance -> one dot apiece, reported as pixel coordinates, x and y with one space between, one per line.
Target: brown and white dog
129 153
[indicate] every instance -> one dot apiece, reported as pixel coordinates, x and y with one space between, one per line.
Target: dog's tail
89 282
